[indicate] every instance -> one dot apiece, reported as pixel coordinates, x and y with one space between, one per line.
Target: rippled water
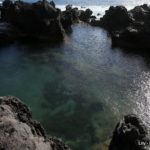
77 89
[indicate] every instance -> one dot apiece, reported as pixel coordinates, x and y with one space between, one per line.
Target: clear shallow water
78 89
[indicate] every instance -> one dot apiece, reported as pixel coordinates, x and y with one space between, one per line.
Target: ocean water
80 88
97 6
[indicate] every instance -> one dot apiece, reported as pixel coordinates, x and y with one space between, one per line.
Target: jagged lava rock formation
130 134
40 20
19 132
36 20
129 29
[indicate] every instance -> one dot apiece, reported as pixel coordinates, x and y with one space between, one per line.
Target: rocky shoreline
129 30
43 21
40 20
18 131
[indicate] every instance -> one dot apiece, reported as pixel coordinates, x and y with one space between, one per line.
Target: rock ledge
19 132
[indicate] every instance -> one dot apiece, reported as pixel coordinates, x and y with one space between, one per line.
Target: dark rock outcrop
69 16
86 15
6 33
74 15
5 38
136 36
130 134
19 132
38 20
139 13
115 18
129 29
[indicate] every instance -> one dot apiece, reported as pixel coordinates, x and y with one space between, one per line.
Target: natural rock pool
78 89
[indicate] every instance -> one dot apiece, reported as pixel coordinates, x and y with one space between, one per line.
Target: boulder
132 39
95 22
69 7
69 16
139 13
115 18
6 33
130 134
19 132
129 30
52 3
5 38
38 20
86 15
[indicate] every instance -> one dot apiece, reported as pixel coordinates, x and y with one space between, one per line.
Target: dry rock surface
19 132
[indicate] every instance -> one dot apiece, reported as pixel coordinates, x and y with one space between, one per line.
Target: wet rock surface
19 132
130 134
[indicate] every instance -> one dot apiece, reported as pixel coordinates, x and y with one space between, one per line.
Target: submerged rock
130 134
19 132
96 107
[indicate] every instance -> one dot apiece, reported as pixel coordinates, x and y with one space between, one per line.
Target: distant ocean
97 6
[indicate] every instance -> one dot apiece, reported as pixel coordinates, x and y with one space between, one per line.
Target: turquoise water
77 89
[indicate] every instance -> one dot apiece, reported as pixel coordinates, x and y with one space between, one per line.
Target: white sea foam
95 9
99 9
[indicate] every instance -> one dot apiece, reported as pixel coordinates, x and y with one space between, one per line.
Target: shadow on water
130 50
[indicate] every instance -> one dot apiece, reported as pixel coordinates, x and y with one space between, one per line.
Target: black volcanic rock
129 30
19 132
40 20
86 15
6 33
74 15
130 134
139 13
37 20
115 18
6 38
69 16
52 3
